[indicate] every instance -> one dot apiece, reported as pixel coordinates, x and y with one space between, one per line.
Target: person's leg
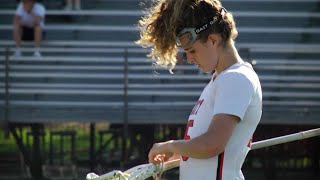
37 39
77 5
17 30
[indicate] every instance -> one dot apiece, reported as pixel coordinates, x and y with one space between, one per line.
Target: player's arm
16 20
17 16
231 104
211 143
38 15
36 19
207 145
175 157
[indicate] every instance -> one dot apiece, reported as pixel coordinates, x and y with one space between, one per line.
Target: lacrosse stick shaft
286 138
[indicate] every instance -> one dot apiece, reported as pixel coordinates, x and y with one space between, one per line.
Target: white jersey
235 91
38 10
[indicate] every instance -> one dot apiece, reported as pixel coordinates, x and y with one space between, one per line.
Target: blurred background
94 102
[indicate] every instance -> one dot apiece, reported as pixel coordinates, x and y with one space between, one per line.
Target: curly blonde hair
166 18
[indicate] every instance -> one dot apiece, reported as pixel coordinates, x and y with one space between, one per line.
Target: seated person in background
28 25
77 5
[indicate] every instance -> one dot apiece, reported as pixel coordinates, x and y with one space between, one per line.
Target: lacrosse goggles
189 35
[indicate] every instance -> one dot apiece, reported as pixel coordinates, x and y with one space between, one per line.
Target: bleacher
82 74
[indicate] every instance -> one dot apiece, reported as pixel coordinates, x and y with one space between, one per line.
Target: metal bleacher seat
80 79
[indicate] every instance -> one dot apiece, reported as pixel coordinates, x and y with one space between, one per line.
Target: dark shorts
28 34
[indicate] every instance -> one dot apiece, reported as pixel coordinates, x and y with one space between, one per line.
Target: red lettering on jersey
186 136
250 142
197 107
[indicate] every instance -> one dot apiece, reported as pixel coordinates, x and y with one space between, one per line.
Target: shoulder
39 9
19 10
20 6
39 6
231 76
238 74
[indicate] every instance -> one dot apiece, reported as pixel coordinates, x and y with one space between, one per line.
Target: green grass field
82 142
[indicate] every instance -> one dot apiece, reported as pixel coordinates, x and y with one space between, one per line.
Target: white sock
36 49
17 49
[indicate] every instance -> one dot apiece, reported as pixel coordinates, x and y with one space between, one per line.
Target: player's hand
160 152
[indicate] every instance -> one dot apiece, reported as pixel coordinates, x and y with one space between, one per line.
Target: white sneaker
37 54
17 53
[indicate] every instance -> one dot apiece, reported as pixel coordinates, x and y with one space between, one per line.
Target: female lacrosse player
222 122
